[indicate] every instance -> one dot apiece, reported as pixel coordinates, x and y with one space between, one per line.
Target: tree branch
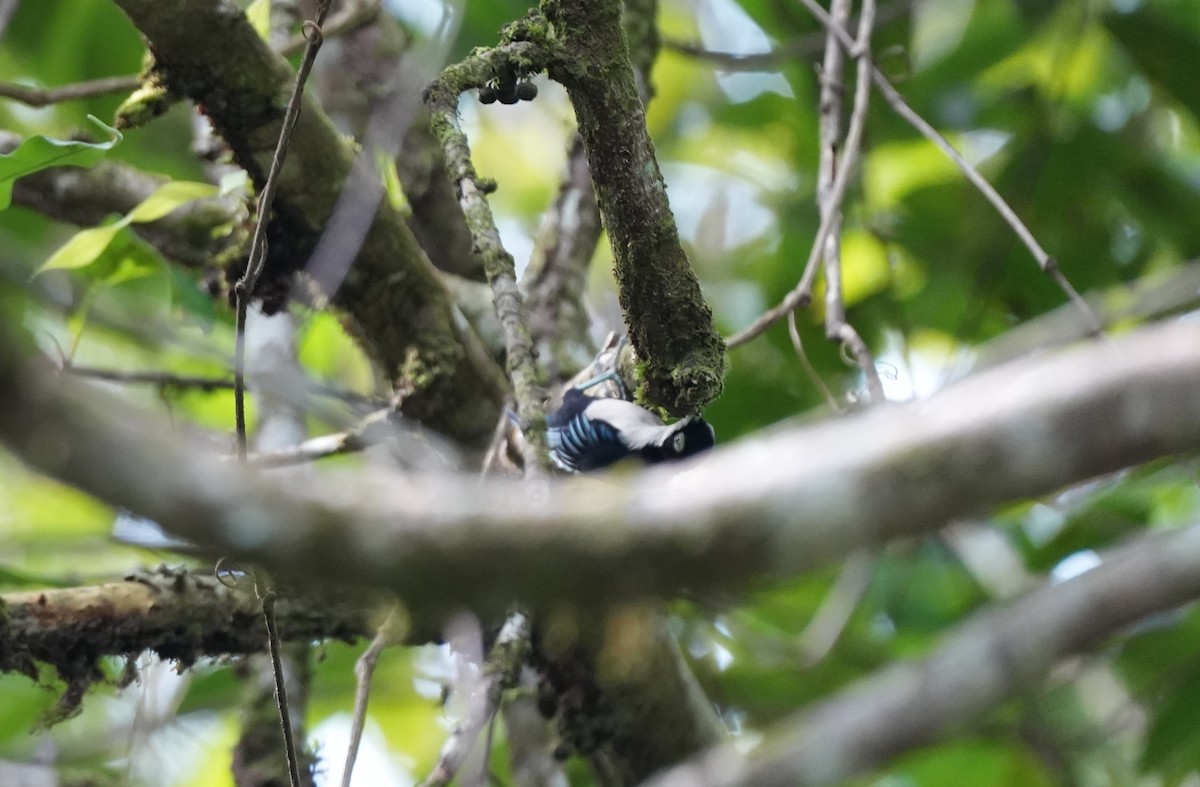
992 657
442 99
683 355
211 54
770 507
72 628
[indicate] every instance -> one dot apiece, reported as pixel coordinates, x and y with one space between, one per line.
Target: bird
587 433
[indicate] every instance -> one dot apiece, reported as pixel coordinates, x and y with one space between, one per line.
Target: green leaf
38 153
259 14
87 245
168 197
391 183
84 248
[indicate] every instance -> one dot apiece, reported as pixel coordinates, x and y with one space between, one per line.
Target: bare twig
809 370
168 380
373 429
556 277
802 47
802 293
41 97
285 714
503 667
364 670
836 325
1151 297
442 100
352 15
823 631
311 450
898 105
244 288
160 379
834 176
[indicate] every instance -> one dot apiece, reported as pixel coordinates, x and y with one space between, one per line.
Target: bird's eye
677 443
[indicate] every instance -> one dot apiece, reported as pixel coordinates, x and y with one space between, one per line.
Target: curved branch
764 508
442 99
992 657
670 324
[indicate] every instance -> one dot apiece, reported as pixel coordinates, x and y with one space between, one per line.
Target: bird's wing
580 444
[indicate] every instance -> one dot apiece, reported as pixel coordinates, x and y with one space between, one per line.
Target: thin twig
498 448
836 325
169 380
804 46
285 714
442 100
826 627
160 379
372 429
364 670
41 97
243 289
801 295
806 364
503 667
258 247
898 105
1047 263
556 277
352 16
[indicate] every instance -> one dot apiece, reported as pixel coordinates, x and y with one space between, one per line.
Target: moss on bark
206 50
669 322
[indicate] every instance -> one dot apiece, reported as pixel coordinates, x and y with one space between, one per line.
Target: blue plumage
587 433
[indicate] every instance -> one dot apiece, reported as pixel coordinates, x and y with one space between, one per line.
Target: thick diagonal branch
206 50
773 506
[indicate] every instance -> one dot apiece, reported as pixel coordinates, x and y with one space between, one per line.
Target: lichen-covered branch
566 239
177 615
670 324
501 63
207 51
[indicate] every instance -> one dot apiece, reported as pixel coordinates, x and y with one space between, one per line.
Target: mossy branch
207 51
669 322
502 64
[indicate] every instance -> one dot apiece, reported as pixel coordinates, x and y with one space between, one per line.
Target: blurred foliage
1083 114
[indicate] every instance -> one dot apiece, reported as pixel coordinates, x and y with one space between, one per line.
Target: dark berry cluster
509 93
